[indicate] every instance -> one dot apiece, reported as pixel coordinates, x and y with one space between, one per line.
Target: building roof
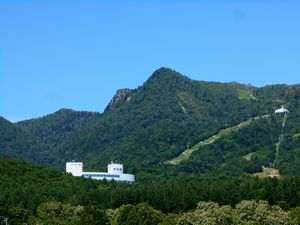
281 110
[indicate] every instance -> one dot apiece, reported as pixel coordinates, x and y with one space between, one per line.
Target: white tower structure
115 168
75 168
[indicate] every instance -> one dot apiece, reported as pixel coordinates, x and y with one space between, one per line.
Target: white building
282 110
75 168
114 172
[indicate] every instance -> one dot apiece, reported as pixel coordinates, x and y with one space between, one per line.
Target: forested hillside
159 120
230 131
17 143
36 195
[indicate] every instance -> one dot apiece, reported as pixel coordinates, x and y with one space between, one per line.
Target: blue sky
77 54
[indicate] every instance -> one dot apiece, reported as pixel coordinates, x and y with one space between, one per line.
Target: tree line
28 191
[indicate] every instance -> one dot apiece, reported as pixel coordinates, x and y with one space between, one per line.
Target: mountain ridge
156 74
146 126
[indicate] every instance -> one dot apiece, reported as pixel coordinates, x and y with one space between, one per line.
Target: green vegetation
155 123
248 156
246 212
38 195
225 157
244 91
212 181
149 128
206 213
187 153
288 160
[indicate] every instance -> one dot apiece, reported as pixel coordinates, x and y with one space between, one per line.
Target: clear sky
76 54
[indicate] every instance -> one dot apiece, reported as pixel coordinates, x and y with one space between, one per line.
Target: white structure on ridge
114 172
282 110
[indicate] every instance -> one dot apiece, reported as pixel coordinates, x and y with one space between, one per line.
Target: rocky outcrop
121 96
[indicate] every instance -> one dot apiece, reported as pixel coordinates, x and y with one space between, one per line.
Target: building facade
114 172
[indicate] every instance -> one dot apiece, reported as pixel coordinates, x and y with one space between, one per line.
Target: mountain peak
164 71
65 111
165 75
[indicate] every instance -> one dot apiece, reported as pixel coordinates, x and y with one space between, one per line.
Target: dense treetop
39 195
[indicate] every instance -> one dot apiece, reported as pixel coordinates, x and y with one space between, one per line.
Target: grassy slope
268 172
248 156
188 152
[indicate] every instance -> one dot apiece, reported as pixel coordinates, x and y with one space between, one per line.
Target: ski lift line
281 137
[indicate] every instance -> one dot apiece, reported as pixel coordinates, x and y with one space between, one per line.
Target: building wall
115 168
75 168
109 176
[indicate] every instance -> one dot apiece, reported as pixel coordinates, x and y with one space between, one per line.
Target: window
101 175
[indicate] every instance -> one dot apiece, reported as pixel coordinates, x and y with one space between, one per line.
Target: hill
38 195
159 120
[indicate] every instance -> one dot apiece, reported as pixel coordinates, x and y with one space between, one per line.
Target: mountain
15 142
158 121
40 140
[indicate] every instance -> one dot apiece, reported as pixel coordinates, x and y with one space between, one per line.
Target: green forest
157 121
244 167
37 195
